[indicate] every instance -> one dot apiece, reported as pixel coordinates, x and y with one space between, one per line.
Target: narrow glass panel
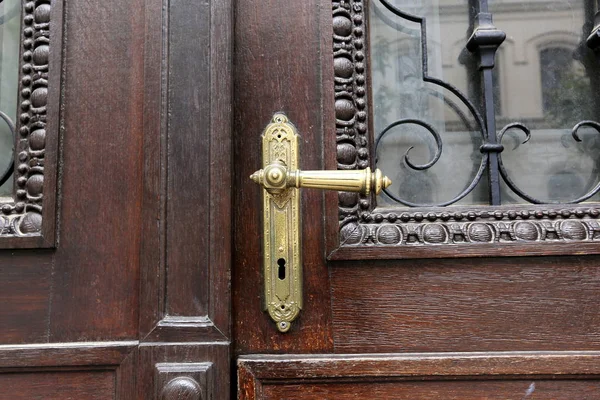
10 35
547 76
416 98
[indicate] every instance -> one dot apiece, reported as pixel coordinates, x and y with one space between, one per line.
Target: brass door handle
281 179
276 177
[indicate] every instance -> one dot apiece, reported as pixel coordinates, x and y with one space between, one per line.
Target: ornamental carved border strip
362 224
23 215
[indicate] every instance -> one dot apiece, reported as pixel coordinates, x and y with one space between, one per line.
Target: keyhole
281 263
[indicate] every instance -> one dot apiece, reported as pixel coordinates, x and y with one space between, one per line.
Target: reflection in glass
10 34
557 68
401 93
550 87
542 79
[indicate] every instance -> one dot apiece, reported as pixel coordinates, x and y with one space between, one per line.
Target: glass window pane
543 77
10 35
403 94
548 80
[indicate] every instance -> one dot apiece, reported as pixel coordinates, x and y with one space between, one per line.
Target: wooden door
457 302
116 240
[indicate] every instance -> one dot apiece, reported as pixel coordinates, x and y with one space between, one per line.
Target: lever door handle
281 180
276 177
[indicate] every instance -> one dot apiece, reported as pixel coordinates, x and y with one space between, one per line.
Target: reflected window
563 81
556 66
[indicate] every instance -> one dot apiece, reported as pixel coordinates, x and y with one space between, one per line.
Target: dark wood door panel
358 303
86 289
25 284
186 206
463 390
454 305
89 370
71 385
278 70
188 65
96 266
183 371
143 228
508 375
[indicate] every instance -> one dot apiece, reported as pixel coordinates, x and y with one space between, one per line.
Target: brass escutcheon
281 179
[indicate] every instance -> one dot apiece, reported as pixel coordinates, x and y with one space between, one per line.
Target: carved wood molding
354 367
362 225
28 219
53 355
259 374
185 272
184 381
477 226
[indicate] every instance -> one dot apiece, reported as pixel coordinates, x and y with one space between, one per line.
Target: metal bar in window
484 42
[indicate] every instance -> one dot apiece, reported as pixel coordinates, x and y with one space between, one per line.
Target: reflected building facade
543 76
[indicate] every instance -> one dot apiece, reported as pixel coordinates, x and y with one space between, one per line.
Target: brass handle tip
380 181
387 182
255 177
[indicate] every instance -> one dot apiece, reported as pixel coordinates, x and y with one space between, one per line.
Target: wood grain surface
466 305
84 385
484 375
465 390
278 69
92 318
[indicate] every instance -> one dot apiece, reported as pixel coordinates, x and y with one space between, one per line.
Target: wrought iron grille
482 46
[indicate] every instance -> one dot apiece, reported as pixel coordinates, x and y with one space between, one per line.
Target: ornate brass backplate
281 179
282 262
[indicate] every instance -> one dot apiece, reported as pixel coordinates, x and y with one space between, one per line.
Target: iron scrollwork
361 223
521 193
